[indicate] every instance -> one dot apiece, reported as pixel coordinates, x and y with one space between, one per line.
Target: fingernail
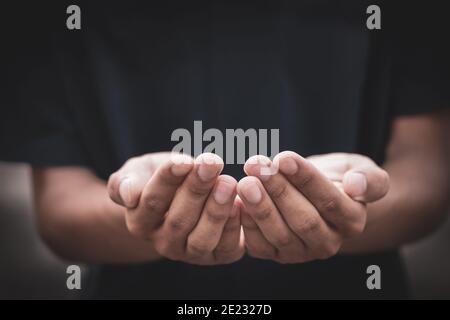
251 192
357 183
288 166
207 172
125 191
265 172
222 193
180 169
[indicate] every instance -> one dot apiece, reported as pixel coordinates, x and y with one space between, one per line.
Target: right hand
182 206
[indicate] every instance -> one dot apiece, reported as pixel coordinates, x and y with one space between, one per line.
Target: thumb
130 189
125 186
366 183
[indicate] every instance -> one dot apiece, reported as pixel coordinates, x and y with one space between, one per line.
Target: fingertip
209 166
209 159
355 184
224 190
386 182
113 188
245 181
287 154
288 162
228 179
181 158
260 166
257 160
181 169
125 192
249 189
181 164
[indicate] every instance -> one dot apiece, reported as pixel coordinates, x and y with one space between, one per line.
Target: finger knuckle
307 225
154 203
331 205
176 225
305 180
248 223
198 248
279 191
231 228
282 240
262 214
198 191
216 216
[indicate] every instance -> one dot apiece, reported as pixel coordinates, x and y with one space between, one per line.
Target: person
363 133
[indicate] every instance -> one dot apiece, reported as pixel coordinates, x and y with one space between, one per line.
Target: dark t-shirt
138 70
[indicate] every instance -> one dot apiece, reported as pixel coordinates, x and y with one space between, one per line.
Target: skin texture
299 214
157 206
184 208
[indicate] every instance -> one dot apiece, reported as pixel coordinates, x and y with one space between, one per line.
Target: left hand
307 208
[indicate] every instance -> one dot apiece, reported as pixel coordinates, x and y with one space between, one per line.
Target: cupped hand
306 208
183 206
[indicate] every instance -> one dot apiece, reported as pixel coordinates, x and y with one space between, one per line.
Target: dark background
29 270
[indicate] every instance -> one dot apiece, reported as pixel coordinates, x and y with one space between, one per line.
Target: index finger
335 206
190 198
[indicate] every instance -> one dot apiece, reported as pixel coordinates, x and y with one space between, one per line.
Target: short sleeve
36 126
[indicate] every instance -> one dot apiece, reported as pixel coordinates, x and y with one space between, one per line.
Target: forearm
418 199
409 212
80 223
